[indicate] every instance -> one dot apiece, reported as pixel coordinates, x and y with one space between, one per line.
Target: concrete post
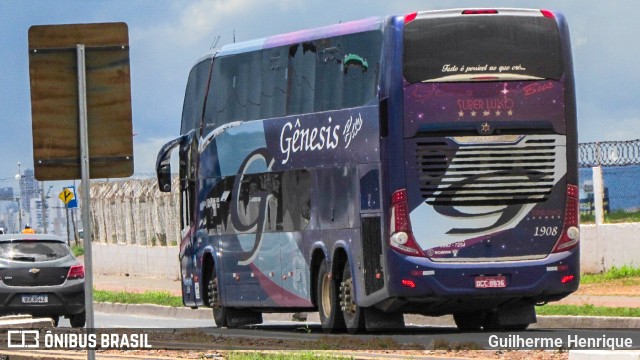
598 194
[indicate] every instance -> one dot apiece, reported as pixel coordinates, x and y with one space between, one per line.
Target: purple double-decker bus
424 163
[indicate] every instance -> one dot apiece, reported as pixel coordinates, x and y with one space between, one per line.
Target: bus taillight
410 17
547 14
408 283
479 12
401 238
571 233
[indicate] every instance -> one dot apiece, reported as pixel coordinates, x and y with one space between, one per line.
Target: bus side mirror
163 163
164 178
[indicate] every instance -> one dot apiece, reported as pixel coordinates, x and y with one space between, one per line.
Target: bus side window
329 83
221 103
301 78
273 101
335 210
361 67
248 86
296 200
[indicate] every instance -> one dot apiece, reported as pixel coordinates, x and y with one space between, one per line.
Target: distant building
29 189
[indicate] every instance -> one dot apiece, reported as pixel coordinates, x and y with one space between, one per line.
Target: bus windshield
440 47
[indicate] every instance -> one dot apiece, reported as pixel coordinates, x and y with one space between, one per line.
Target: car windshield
33 251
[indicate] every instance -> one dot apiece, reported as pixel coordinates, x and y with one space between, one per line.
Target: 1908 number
546 231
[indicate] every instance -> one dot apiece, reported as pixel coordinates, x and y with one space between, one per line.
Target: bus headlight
400 238
573 233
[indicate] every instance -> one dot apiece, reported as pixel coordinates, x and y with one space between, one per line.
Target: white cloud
145 153
200 21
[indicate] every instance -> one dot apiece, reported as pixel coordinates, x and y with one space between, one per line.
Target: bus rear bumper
419 285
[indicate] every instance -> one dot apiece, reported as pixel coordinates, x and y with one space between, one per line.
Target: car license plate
491 282
35 299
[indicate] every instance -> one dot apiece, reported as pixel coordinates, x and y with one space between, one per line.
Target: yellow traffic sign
66 195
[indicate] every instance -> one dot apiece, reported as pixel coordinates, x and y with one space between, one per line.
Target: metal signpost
81 104
68 197
86 206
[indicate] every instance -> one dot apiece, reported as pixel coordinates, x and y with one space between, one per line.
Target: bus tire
219 311
469 321
327 299
512 318
354 315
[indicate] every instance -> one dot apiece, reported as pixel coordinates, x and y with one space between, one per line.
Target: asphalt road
105 320
298 333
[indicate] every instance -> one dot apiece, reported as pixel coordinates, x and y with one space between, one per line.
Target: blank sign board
53 73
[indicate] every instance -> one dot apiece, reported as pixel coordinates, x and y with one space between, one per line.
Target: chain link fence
620 164
135 212
609 153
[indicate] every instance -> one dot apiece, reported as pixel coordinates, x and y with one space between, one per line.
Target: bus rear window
435 48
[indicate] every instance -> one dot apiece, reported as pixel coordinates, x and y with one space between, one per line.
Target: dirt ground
617 287
360 355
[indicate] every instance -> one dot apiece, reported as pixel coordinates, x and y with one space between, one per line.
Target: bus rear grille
488 174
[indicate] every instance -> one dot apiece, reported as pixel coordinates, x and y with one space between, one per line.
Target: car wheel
78 320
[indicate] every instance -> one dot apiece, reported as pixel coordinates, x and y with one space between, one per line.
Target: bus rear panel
486 214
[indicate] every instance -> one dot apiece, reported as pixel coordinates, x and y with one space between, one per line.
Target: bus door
188 176
188 147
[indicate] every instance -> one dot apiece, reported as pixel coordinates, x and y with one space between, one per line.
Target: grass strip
587 310
77 250
163 298
624 272
615 217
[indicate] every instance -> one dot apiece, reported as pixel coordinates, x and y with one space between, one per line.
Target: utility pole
19 178
43 206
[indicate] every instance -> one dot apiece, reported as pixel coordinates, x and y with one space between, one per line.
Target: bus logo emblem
485 128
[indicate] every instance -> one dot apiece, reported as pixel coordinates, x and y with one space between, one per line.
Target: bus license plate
491 282
35 299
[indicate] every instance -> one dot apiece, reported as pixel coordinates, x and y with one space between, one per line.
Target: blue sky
168 36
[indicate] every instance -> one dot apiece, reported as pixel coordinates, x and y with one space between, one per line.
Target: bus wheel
511 318
469 321
327 300
219 311
353 314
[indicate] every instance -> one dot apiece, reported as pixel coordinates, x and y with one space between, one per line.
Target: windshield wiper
24 258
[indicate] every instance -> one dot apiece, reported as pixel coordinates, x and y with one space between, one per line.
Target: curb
153 310
544 322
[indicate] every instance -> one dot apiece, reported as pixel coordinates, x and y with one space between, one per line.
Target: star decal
510 112
473 113
461 113
498 112
486 113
